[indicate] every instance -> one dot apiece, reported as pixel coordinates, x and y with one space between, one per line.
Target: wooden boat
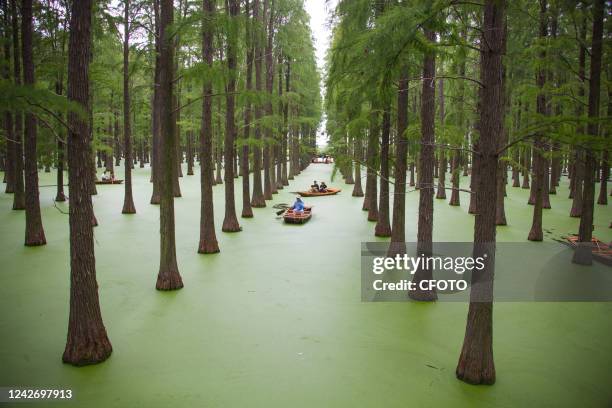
602 252
330 191
297 217
115 181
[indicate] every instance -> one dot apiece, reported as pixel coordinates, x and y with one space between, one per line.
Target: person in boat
298 205
323 187
106 176
314 187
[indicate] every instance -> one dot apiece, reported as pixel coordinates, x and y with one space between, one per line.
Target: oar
281 211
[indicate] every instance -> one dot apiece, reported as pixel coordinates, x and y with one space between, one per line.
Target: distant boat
115 181
329 191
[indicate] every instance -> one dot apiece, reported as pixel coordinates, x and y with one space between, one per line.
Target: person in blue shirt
298 205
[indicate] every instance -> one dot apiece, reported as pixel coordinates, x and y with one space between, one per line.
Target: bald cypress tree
208 239
168 277
476 365
34 232
87 341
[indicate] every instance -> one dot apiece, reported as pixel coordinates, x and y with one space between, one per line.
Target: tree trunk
476 364
279 150
398 229
583 254
267 162
540 162
383 229
34 233
605 164
60 196
247 211
9 165
87 341
455 199
370 202
358 157
441 191
230 222
190 152
168 277
128 200
208 239
18 184
426 192
258 200
157 137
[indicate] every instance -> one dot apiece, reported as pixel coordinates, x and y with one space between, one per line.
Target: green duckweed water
275 319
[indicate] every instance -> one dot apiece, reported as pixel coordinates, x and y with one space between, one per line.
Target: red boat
297 217
329 191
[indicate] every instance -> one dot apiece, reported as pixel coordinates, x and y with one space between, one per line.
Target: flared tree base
382 230
396 248
208 247
60 197
169 280
535 235
128 207
230 224
583 254
18 202
92 348
423 295
258 202
247 213
36 238
575 212
155 199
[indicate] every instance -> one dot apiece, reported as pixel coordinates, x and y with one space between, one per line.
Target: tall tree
8 116
168 277
583 254
267 160
540 163
398 234
208 239
426 161
230 222
383 229
476 364
128 200
247 210
34 233
258 200
18 165
87 341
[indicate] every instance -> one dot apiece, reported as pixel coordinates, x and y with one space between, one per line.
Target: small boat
602 252
297 217
115 181
330 191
